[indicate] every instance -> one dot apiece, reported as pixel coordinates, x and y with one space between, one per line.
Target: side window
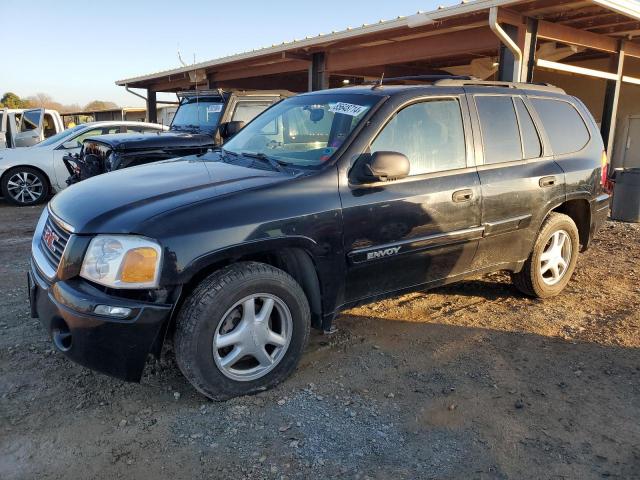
499 125
30 120
429 133
531 145
247 111
564 125
49 126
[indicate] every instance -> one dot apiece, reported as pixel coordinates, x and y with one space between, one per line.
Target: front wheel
242 330
24 186
553 259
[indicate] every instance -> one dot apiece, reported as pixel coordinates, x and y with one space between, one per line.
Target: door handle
460 196
547 182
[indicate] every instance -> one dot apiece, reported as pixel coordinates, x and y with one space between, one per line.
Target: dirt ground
467 381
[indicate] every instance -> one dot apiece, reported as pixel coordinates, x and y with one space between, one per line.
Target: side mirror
383 166
233 127
70 144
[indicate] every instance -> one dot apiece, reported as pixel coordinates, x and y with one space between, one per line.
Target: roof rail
545 87
417 78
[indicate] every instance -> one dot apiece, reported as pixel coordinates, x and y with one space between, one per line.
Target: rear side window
430 134
531 146
564 125
500 135
246 111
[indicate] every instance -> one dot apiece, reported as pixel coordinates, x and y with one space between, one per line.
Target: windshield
60 136
203 113
304 130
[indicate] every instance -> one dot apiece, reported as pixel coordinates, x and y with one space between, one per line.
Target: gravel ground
467 381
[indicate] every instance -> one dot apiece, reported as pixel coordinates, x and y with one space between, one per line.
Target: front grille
53 242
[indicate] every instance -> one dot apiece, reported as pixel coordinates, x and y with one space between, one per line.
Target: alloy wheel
25 187
252 337
556 257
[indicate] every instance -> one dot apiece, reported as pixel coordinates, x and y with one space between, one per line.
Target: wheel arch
32 167
579 210
293 255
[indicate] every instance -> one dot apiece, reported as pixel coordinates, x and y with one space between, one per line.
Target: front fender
251 247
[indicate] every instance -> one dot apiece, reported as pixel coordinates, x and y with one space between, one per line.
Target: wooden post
152 106
318 76
611 98
529 49
507 62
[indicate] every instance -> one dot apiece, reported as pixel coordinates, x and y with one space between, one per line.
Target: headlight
122 261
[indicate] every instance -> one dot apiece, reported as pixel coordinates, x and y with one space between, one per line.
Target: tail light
604 179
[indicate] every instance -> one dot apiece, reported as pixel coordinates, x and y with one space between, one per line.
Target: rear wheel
25 186
242 330
553 259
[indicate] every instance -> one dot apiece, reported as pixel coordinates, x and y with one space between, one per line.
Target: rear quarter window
565 127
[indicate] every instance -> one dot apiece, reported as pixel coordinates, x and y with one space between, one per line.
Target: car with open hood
203 120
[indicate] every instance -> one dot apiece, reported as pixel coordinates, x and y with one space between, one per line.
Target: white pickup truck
26 127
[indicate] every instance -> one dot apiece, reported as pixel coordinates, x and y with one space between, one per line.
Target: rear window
565 127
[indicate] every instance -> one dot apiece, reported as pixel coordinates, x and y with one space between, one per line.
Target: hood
120 201
150 141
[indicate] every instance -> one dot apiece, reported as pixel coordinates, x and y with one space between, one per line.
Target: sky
75 50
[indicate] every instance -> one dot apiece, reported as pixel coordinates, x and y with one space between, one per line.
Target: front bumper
117 347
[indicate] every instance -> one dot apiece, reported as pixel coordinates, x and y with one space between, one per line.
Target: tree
99 105
43 100
11 100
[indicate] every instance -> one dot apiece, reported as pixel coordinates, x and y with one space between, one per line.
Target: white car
29 175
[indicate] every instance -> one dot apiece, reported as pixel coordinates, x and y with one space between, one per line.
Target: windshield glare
202 113
60 136
305 130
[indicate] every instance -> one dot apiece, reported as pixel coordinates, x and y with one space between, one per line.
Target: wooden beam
296 56
440 46
573 36
632 49
259 71
510 18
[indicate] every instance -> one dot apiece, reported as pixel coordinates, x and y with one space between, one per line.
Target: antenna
184 64
379 83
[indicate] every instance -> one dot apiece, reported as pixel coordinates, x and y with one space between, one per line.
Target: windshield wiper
276 164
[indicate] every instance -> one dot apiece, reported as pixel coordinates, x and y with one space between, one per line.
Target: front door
30 129
405 233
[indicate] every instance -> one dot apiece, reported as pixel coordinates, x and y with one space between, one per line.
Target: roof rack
455 82
416 78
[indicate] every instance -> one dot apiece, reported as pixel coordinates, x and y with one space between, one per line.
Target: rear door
405 233
518 174
30 128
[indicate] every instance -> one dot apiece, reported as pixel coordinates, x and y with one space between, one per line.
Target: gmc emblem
50 238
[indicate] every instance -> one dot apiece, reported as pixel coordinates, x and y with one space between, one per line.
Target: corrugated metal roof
630 8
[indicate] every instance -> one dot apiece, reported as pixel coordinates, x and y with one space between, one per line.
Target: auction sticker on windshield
216 108
347 108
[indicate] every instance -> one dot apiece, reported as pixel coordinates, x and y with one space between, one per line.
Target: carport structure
587 47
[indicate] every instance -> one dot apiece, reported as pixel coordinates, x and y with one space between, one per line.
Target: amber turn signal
139 265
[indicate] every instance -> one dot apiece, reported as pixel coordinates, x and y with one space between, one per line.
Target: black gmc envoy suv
324 201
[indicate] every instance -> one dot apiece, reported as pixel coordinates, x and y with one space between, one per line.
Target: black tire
202 314
530 280
25 200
